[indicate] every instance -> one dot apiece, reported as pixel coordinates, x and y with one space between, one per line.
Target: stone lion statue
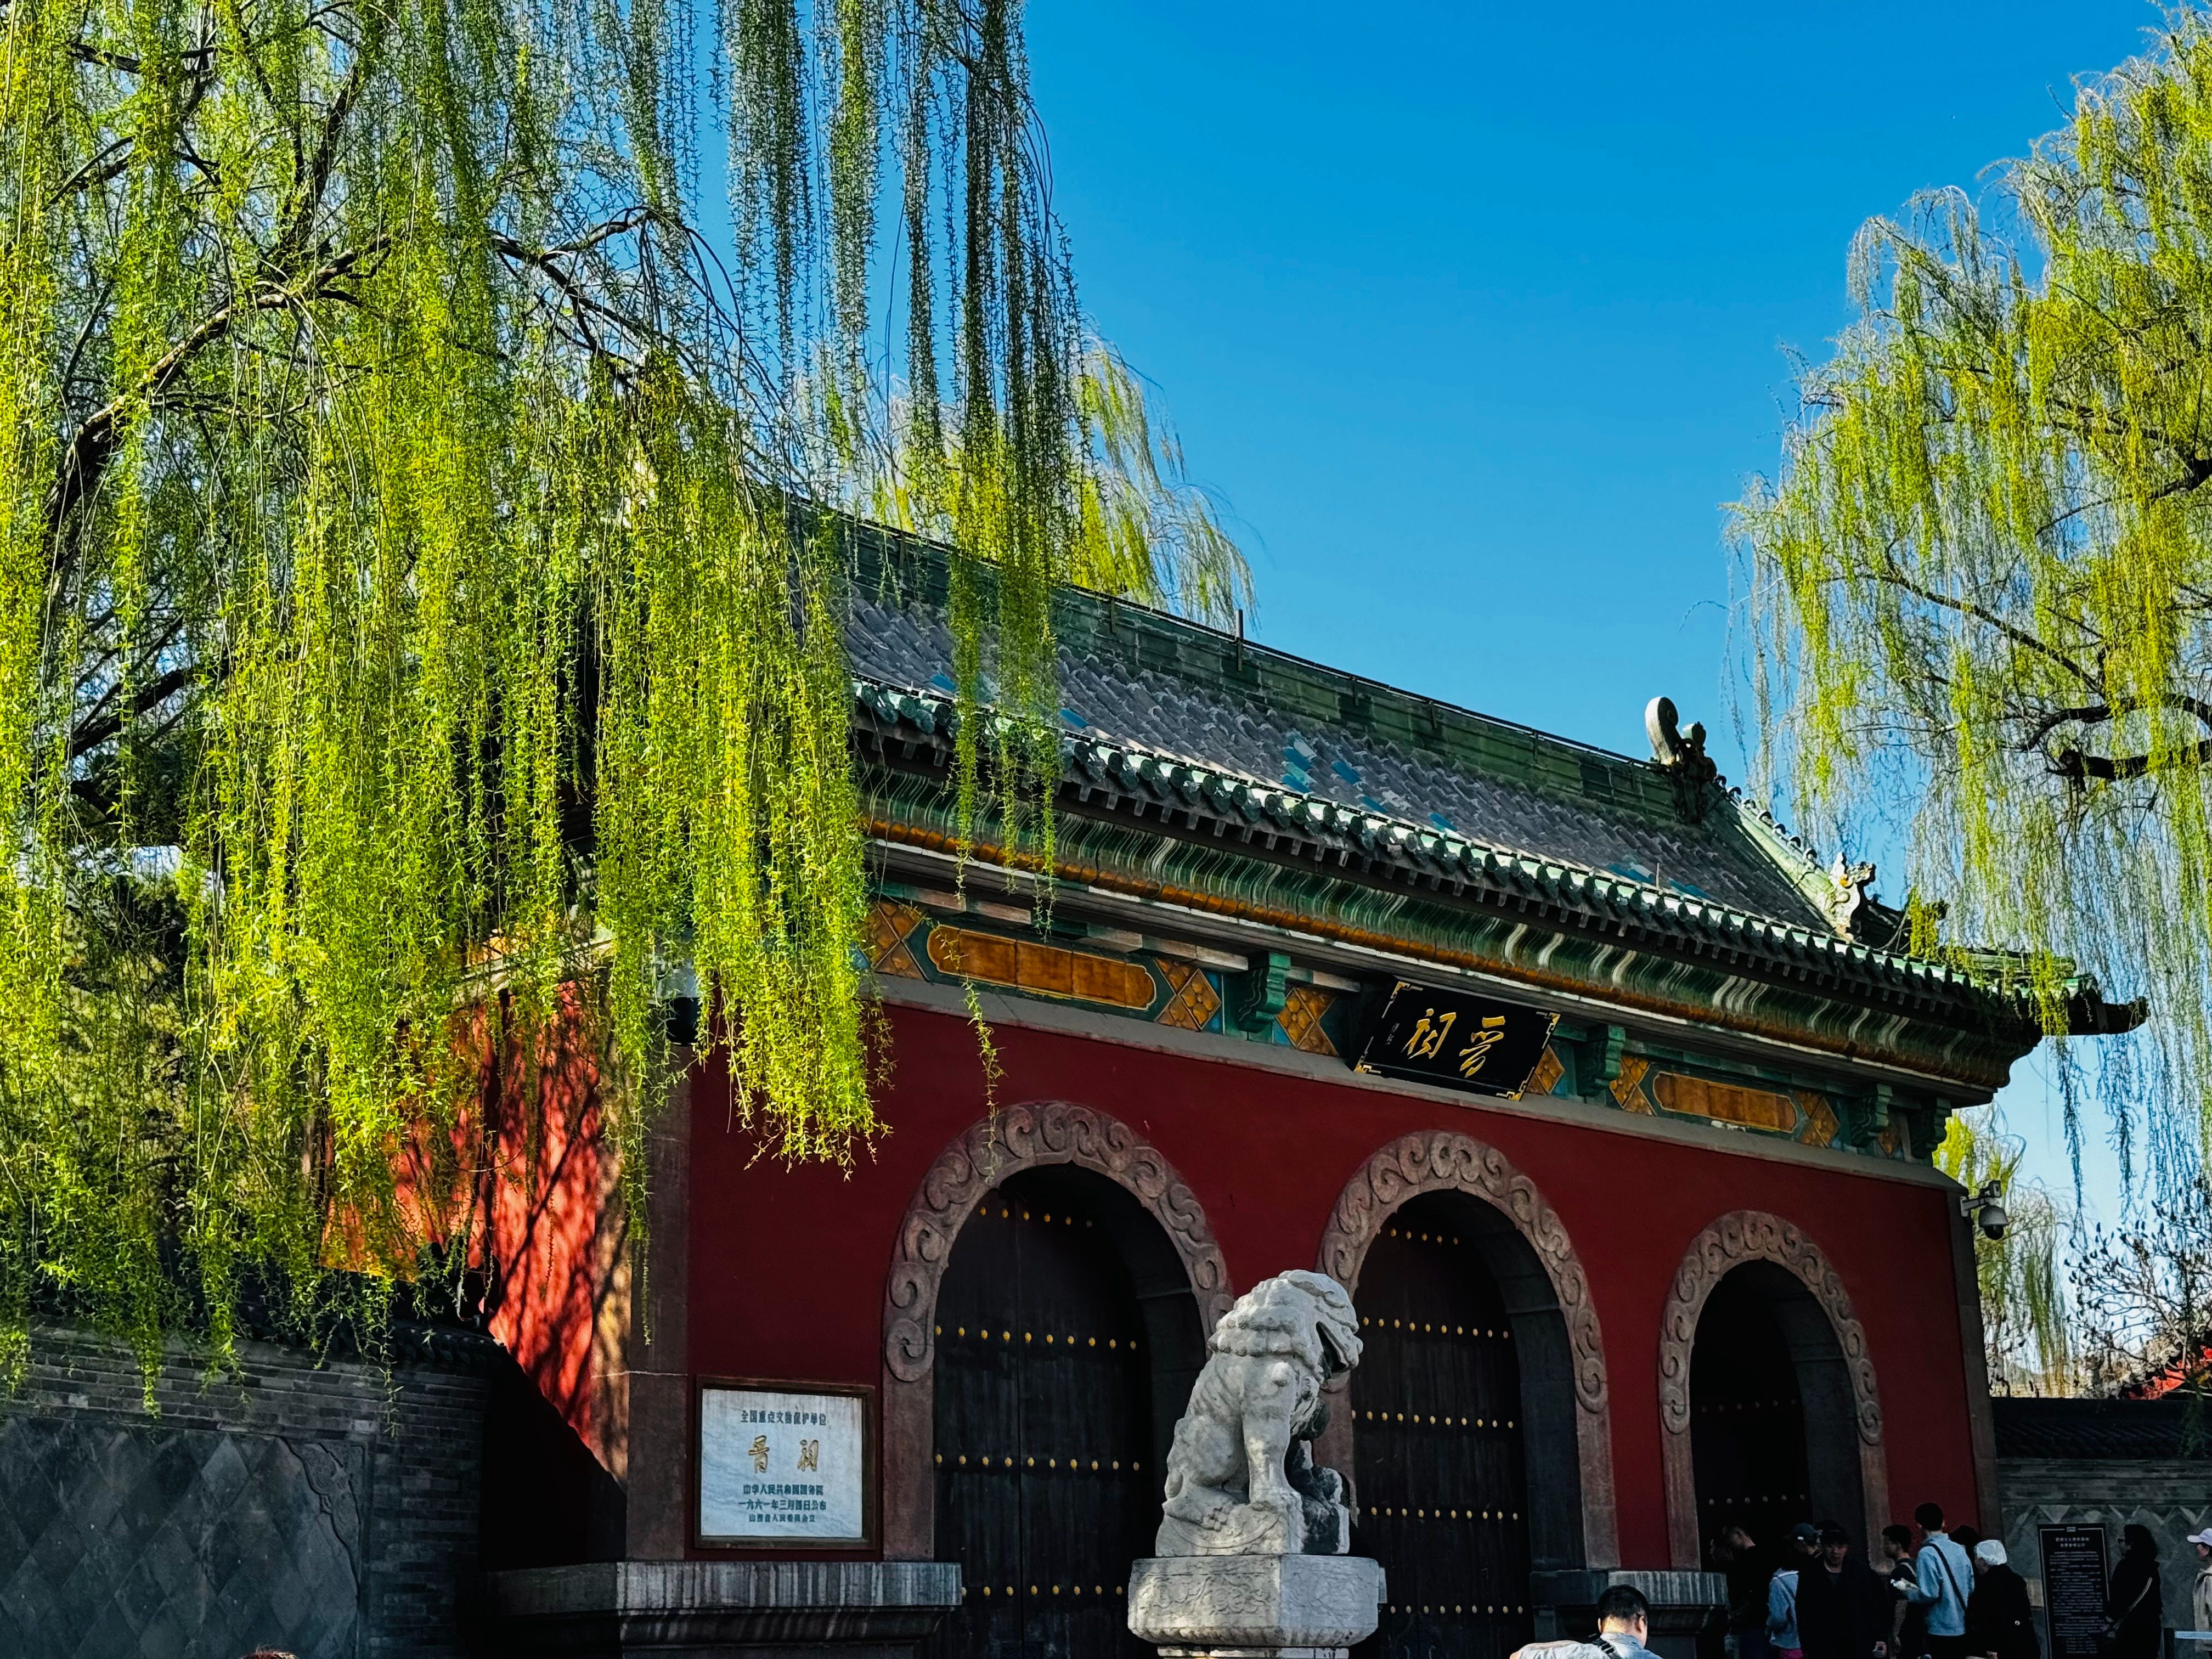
1241 1478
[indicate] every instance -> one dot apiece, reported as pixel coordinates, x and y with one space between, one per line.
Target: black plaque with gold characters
1459 1042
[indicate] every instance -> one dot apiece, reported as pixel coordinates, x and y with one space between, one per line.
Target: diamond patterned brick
299 1507
156 1541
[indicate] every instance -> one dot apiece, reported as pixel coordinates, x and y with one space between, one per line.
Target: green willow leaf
1980 592
2027 1323
414 644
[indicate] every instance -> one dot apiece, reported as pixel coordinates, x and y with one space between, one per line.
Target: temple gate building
1609 1103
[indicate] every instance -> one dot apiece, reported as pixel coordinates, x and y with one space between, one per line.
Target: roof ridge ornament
1681 755
1853 895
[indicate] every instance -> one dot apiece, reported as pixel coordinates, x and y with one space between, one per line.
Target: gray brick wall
329 1510
2171 1497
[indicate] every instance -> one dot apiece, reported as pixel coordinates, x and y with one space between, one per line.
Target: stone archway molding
1738 1237
1445 1160
1016 1139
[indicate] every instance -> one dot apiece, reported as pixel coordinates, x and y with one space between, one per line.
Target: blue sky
1475 314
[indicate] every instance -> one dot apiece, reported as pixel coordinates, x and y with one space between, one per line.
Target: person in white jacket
2200 1596
1624 1623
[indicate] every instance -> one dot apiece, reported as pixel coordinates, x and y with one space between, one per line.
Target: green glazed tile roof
1157 685
1189 795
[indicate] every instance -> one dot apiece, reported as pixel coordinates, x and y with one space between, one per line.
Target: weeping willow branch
1977 589
2027 1319
413 649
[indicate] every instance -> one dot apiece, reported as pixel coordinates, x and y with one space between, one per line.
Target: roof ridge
1105 605
1751 847
935 713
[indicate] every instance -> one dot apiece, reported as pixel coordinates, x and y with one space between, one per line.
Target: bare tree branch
149 697
93 446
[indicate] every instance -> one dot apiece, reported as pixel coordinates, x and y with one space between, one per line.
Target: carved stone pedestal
1254 1607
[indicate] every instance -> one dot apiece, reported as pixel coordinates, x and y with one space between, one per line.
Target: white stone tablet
784 1468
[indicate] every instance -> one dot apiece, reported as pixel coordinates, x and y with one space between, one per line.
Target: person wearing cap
1843 1610
1781 1632
1941 1573
2200 1596
1999 1621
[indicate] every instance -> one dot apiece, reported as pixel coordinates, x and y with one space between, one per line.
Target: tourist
1843 1609
1908 1627
1624 1622
1941 1574
2201 1595
1782 1633
1738 1554
2135 1613
1999 1623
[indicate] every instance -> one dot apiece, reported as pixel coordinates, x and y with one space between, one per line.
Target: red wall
789 1265
544 1189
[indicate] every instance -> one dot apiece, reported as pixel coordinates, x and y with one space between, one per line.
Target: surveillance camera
1988 1208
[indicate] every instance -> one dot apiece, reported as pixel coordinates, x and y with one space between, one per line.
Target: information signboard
2074 1580
786 1464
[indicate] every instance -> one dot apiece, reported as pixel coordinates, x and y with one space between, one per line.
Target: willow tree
2027 1324
1982 584
410 612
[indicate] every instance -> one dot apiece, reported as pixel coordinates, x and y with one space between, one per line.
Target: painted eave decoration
1209 773
1361 842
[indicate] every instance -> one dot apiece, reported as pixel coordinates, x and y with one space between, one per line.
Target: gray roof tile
1607 825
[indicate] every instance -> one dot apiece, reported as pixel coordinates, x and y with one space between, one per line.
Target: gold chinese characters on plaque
1429 1035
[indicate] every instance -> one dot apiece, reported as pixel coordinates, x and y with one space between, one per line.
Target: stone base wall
331 1511
2171 1497
719 1609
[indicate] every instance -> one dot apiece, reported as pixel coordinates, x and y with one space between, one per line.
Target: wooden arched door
1747 1421
1773 1427
1442 1483
1046 1464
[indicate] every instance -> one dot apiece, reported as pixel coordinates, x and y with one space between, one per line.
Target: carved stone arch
1739 1238
1019 1138
1548 1296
